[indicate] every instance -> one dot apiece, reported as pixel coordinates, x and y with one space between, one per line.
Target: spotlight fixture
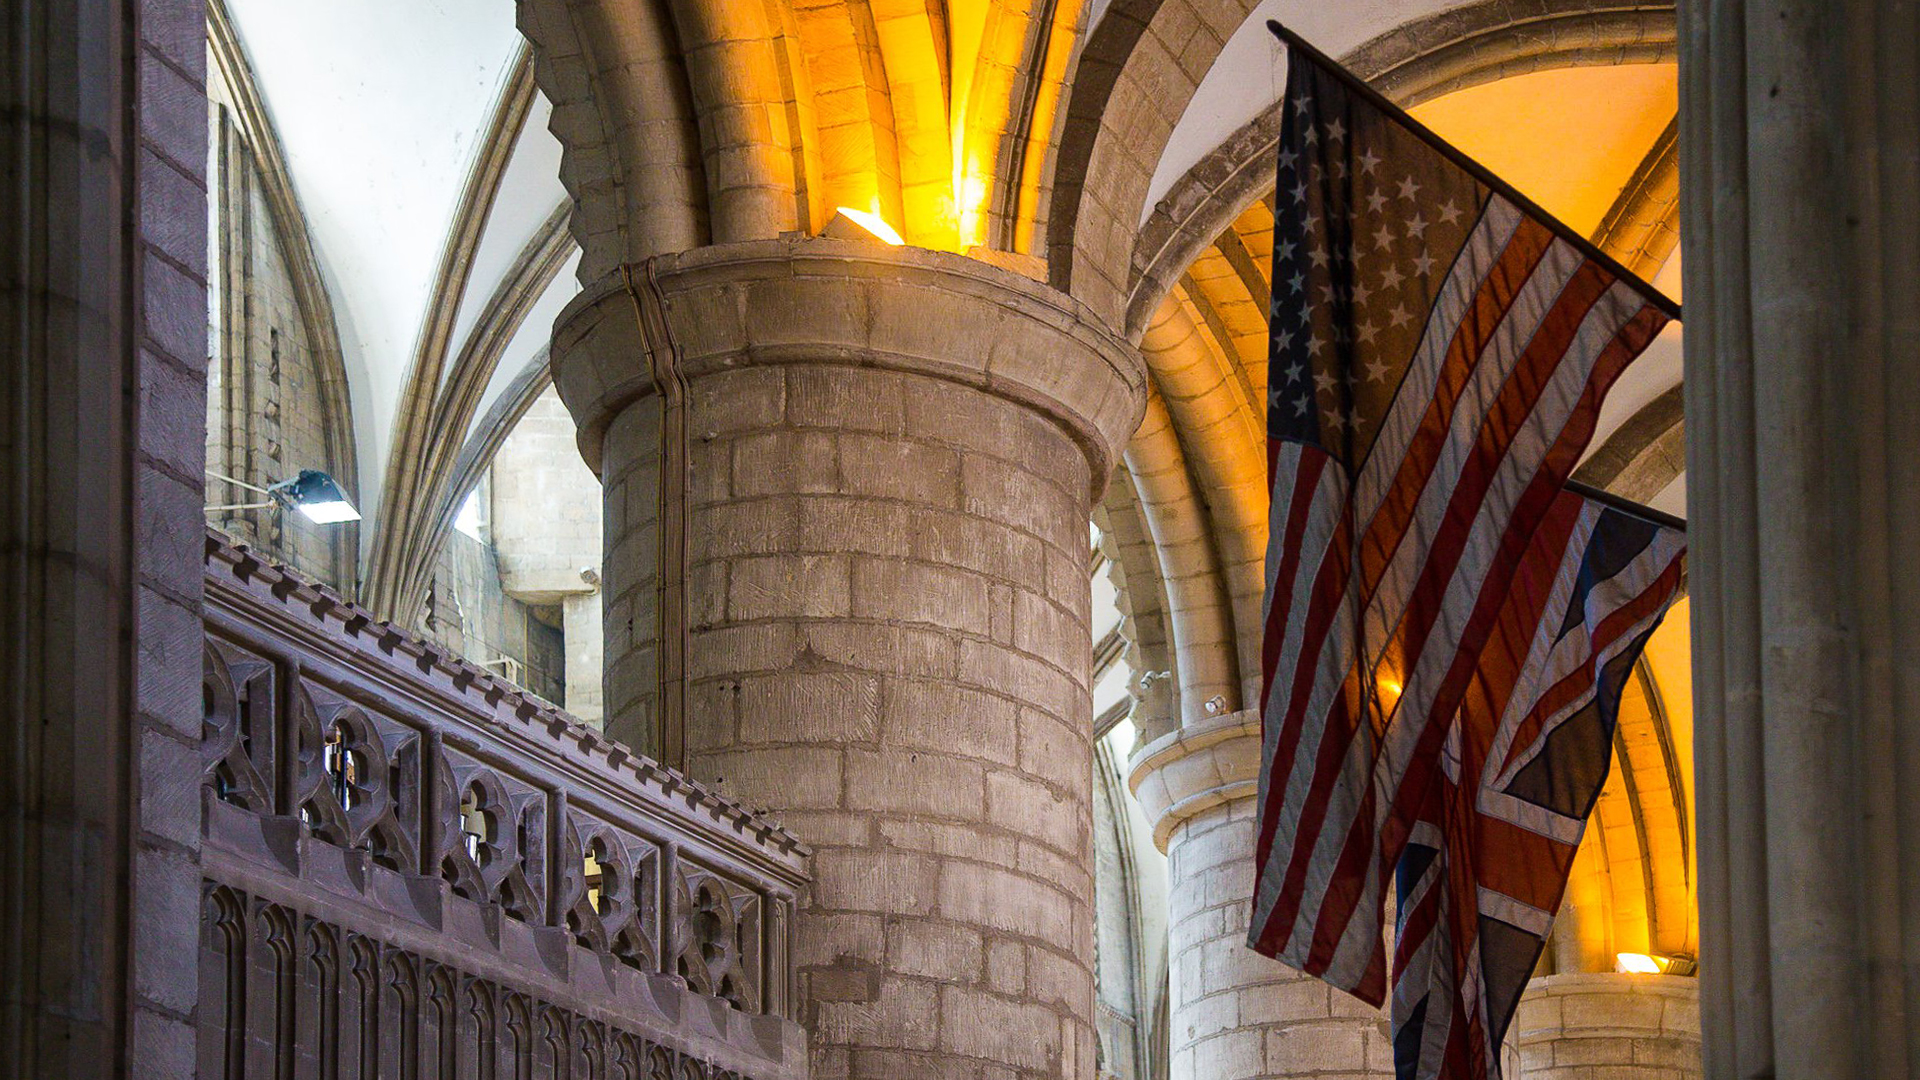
313 493
850 224
1633 963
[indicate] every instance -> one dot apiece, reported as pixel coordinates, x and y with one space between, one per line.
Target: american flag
1439 352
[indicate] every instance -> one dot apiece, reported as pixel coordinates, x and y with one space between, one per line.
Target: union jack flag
1446 621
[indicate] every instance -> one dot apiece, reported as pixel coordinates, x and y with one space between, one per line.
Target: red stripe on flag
1512 406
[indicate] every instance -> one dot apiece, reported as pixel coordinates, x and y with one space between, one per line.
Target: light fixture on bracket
313 493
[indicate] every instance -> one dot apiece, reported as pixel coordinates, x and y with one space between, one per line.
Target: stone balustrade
414 869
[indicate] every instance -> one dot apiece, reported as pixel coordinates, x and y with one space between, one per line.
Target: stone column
102 442
586 646
1237 1015
891 455
1623 1027
1801 175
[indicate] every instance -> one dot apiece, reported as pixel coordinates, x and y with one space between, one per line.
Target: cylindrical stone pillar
1621 1026
892 455
1801 180
1236 1015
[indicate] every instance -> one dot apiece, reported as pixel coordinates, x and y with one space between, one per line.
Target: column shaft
1237 1015
1802 175
891 462
1623 1027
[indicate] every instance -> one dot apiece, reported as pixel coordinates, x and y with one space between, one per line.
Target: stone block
848 879
788 776
834 524
170 787
728 403
1279 1001
955 719
1060 980
939 951
173 212
893 650
1231 1055
173 116
166 910
171 637
162 1047
895 468
1032 809
904 1015
1306 1048
801 707
1595 1013
828 937
1007 967
846 399
758 527
788 586
983 546
913 592
1009 902
982 1025
1200 1017
174 312
1054 752
952 841
915 782
784 462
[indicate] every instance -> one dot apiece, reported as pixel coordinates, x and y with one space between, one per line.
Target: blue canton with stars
1368 220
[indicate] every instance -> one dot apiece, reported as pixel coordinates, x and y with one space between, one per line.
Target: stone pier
1620 1026
891 456
1237 1015
1800 162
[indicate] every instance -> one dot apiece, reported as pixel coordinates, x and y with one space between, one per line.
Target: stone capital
1196 768
798 300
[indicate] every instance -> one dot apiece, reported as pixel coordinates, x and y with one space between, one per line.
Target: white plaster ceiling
380 107
529 191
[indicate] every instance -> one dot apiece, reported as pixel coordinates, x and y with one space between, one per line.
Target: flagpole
1479 172
1626 506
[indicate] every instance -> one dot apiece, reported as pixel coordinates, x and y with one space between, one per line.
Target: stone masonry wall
1238 1015
545 519
891 456
890 645
266 418
1607 1024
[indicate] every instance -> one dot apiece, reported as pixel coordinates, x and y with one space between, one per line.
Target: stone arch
291 247
1132 89
624 112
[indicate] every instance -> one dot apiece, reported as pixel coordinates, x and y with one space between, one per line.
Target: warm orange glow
872 223
1522 129
1633 963
1389 689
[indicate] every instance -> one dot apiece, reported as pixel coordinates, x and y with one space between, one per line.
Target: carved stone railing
413 869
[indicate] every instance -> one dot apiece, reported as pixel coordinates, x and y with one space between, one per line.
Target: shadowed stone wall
102 399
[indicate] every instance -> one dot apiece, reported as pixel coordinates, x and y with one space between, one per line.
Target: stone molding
1202 765
862 304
